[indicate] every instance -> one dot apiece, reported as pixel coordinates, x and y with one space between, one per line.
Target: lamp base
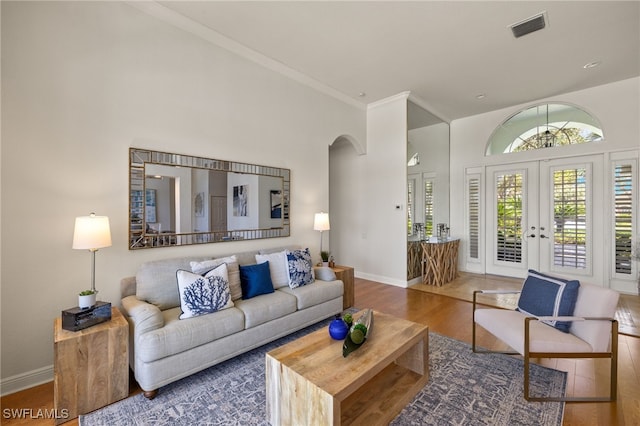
75 319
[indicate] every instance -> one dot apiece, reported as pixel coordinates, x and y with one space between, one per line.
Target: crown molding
180 21
393 98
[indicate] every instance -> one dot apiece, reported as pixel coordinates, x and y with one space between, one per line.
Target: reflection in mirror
427 181
427 172
179 200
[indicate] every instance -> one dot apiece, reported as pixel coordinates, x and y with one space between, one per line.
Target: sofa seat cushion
509 327
266 307
181 335
315 293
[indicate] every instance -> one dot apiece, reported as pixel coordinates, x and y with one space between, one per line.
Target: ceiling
445 53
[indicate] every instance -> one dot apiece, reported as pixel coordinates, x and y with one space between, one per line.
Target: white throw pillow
201 295
278 267
233 269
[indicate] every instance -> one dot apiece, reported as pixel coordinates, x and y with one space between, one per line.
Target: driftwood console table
439 261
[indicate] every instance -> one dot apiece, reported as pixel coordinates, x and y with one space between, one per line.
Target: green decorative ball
357 336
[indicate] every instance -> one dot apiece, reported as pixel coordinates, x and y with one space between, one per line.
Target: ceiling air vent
529 25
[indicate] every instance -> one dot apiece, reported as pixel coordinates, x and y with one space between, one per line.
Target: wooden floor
452 317
627 314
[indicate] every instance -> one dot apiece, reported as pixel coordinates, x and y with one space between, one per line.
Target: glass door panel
570 218
509 193
508 243
542 218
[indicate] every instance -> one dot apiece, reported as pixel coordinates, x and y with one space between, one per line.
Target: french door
544 215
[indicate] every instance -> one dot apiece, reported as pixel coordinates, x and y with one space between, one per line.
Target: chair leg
527 395
614 360
612 355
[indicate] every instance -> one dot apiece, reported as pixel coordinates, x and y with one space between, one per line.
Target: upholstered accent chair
592 332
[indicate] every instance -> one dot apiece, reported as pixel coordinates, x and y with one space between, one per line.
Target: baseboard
416 280
381 279
26 380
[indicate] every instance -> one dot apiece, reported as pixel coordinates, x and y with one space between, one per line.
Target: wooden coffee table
309 382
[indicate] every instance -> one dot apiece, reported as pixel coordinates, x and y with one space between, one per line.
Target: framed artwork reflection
240 193
276 204
150 206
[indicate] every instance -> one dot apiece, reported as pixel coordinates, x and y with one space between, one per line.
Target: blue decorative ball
338 329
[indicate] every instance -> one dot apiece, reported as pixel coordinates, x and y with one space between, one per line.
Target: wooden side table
440 261
91 366
345 274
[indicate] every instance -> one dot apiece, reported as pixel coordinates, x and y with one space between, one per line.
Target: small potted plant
325 258
86 299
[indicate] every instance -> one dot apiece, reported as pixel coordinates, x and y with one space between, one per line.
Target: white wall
347 201
616 105
365 189
84 81
432 145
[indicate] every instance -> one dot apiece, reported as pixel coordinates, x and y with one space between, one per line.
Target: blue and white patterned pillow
543 295
300 268
200 295
233 272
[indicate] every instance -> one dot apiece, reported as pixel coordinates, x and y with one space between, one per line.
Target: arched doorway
346 166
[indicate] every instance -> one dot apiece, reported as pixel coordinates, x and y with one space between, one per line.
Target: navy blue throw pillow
255 280
543 295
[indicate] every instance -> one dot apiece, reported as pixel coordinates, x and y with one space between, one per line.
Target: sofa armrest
145 316
324 273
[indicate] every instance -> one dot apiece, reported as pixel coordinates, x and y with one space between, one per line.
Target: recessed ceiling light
481 96
592 65
362 95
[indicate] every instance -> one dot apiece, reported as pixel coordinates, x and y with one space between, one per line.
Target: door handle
543 236
533 236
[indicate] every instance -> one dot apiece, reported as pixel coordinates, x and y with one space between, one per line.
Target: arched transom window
544 126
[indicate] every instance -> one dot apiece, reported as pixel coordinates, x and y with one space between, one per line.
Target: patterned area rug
464 389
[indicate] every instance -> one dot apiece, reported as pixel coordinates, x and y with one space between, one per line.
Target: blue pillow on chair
543 295
255 280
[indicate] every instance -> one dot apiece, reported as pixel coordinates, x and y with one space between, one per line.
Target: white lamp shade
321 222
91 232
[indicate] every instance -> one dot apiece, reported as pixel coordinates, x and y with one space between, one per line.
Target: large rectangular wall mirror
177 200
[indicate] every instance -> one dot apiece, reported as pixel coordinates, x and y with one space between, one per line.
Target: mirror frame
139 238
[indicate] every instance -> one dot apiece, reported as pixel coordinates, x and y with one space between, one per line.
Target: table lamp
92 233
321 223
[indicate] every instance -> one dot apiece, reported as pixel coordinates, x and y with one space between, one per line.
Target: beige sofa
164 348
